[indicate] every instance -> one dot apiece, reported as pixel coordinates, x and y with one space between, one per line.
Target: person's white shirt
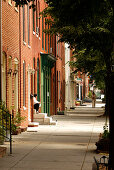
35 101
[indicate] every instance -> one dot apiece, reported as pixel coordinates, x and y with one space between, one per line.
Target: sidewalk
70 145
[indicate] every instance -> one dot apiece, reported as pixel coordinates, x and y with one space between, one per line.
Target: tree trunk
109 107
111 121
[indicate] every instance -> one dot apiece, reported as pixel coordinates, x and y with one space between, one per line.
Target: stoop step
32 127
33 124
43 119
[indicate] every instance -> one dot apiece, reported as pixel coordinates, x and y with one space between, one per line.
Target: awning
48 59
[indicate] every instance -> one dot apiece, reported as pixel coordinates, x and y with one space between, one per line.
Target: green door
46 66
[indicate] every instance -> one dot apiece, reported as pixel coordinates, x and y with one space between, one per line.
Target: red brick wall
10 38
60 67
28 52
14 46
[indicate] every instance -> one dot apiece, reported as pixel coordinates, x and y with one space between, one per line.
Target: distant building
70 83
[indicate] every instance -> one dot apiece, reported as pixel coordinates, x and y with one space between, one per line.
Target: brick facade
23 43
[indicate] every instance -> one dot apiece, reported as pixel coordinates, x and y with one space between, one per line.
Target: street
69 145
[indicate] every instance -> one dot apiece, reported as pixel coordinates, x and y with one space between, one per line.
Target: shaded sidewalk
70 145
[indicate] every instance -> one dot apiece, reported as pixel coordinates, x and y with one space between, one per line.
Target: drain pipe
0 49
20 56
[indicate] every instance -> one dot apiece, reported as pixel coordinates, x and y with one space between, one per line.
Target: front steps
43 119
32 127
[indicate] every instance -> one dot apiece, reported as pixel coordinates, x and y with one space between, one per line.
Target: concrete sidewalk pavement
70 145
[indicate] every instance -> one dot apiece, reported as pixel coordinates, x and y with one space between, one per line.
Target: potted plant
16 121
4 121
103 143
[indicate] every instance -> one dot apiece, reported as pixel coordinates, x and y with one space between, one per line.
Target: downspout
20 53
55 81
0 49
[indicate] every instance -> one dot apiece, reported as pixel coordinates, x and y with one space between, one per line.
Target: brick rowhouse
29 55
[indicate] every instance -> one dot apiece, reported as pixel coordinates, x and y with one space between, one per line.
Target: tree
88 25
91 64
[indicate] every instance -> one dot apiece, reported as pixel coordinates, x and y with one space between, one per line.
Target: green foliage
106 132
90 94
88 27
4 112
16 121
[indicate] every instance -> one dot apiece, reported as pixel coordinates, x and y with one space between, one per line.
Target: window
24 23
57 45
48 39
37 29
28 22
38 80
59 85
24 83
42 32
45 37
34 76
39 17
33 18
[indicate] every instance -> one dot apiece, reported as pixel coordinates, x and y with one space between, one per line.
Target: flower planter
18 131
103 145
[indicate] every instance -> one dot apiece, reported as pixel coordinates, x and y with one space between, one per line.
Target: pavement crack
88 145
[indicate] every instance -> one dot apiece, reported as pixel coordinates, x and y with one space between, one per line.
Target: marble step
40 115
33 124
32 129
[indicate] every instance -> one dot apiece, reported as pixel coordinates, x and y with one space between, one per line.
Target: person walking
93 99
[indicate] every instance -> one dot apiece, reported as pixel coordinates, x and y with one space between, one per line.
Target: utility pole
0 48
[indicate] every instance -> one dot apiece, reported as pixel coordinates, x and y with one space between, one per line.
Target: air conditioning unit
51 49
37 30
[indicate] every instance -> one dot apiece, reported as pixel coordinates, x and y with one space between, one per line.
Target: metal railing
102 162
5 125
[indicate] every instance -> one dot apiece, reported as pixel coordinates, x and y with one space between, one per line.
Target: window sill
10 3
29 46
16 9
37 35
24 108
24 43
39 38
33 33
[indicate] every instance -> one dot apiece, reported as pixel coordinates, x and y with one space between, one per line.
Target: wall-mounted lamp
15 72
10 71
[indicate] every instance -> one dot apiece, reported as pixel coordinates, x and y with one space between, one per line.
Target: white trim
29 46
24 43
16 61
33 32
24 108
10 3
16 9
